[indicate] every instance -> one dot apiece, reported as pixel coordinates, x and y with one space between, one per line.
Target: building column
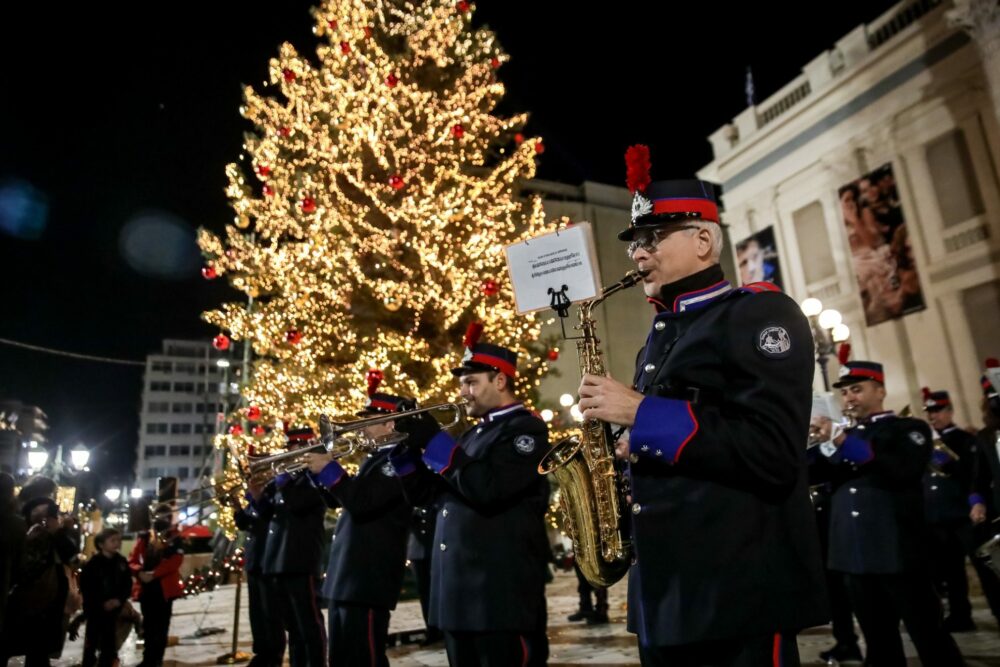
981 20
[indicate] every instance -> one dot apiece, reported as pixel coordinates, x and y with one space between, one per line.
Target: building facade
21 426
876 173
184 397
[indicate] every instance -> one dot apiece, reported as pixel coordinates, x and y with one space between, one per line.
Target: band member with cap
985 498
727 567
947 485
368 555
878 533
292 558
267 625
491 550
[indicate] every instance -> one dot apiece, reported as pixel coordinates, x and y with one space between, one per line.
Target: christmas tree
372 203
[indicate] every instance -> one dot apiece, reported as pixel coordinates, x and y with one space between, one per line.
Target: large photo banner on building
757 258
880 247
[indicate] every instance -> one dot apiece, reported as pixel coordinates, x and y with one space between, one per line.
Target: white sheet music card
825 404
562 259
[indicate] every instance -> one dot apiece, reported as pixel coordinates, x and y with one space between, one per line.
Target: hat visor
848 380
471 367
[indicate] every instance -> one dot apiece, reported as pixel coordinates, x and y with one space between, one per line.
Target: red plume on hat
926 392
374 377
472 334
844 353
992 363
637 166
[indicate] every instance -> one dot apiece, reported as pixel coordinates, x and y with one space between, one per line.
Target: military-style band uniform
491 552
947 486
368 553
419 549
986 484
266 623
878 530
292 558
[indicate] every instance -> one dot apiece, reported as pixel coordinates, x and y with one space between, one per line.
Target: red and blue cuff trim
663 428
757 288
501 365
330 475
976 499
403 459
440 453
856 450
282 479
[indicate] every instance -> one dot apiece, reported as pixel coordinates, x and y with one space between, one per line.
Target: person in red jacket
156 562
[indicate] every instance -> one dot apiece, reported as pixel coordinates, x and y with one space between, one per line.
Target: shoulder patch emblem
774 342
918 438
388 470
524 444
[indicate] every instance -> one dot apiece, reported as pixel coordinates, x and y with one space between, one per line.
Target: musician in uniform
368 555
985 498
878 532
266 622
292 555
947 485
726 563
491 550
419 550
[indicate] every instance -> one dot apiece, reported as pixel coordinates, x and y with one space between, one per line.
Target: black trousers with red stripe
490 649
767 651
300 612
358 635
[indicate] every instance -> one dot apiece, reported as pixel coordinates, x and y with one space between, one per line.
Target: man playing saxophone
726 565
490 548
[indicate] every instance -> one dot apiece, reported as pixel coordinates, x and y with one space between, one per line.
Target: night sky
116 121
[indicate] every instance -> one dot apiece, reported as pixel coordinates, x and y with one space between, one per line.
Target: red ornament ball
284 131
258 430
495 62
457 131
539 148
345 47
263 170
368 32
332 25
308 205
293 336
253 413
288 74
235 429
490 287
221 342
391 80
464 6
397 182
518 138
268 191
208 272
553 354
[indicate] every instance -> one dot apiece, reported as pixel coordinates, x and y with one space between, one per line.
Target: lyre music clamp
561 303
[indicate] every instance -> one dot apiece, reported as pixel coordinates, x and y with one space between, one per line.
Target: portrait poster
757 258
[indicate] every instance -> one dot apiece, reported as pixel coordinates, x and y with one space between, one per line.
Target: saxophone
592 488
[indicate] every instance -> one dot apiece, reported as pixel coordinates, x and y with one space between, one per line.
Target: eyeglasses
648 239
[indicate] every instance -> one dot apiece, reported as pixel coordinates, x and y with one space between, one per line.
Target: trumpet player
368 554
877 524
490 548
292 558
947 486
726 565
266 622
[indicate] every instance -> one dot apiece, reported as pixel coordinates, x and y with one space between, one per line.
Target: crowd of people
56 578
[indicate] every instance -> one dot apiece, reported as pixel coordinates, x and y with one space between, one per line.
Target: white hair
715 229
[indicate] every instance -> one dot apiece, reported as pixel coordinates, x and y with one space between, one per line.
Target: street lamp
828 329
113 494
135 494
79 456
37 458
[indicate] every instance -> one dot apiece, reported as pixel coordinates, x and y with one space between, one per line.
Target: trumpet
847 421
341 439
217 494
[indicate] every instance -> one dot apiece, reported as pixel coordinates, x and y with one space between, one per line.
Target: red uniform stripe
382 405
776 654
708 210
371 636
501 365
864 372
524 651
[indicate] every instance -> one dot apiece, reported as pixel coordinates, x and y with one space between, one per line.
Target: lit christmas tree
373 201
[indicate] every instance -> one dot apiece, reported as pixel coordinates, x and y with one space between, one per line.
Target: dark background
120 118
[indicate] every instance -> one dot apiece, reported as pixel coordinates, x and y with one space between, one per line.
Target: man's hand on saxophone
608 400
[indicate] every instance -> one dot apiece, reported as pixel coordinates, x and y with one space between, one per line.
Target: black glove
419 428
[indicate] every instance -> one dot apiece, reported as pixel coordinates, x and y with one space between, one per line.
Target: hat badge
640 206
844 370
